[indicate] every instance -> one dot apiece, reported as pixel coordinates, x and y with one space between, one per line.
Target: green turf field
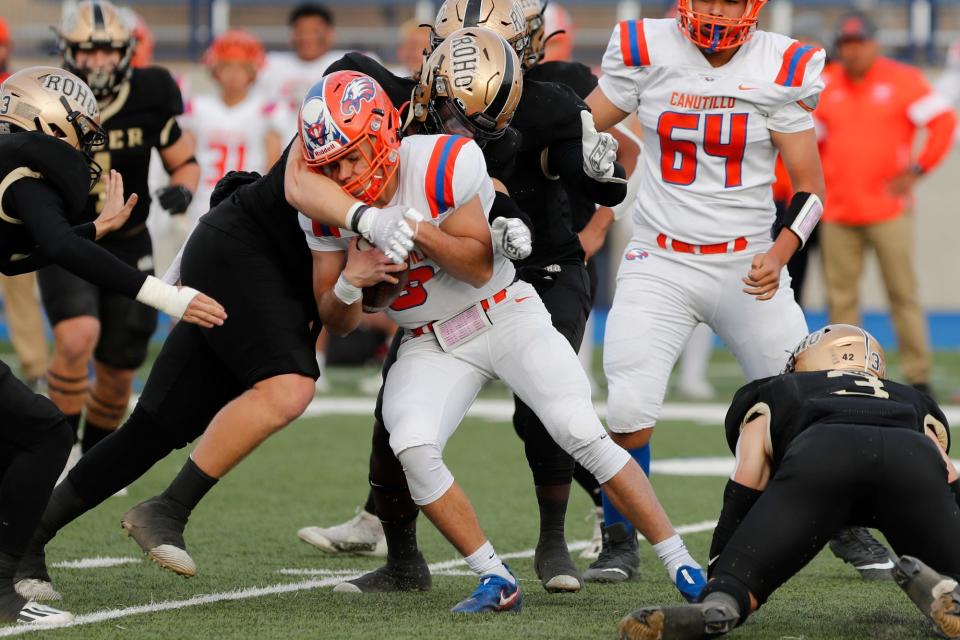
244 534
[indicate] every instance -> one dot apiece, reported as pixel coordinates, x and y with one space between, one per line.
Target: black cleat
619 559
680 622
409 575
157 526
555 567
32 580
937 596
856 546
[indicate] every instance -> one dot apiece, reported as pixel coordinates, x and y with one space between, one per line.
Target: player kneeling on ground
466 321
49 121
830 426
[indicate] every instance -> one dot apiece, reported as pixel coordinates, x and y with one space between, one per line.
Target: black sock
10 601
553 512
586 480
92 434
65 506
401 541
8 568
190 485
370 506
73 420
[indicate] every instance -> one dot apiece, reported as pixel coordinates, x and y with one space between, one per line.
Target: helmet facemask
715 33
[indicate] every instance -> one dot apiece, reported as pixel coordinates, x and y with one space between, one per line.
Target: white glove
389 231
599 151
512 237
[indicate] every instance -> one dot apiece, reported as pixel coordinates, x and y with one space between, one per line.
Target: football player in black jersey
257 371
49 122
138 111
831 427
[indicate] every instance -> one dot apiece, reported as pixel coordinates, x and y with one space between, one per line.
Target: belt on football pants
731 246
485 304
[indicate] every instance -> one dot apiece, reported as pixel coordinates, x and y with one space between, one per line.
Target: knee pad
602 457
427 475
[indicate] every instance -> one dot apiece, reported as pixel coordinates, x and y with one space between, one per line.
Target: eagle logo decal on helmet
321 134
359 90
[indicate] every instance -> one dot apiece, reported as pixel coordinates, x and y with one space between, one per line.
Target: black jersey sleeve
398 88
505 207
169 102
42 211
575 75
62 167
565 160
744 401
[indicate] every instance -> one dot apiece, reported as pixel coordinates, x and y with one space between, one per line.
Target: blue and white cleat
690 582
494 594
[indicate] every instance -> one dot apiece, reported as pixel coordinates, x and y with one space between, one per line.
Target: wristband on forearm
346 292
171 300
802 216
354 214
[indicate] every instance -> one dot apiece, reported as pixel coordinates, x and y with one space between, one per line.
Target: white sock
673 554
485 560
322 361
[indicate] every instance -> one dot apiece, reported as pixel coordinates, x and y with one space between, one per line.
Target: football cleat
157 526
555 568
39 614
596 540
619 559
409 575
361 535
493 595
690 581
682 622
32 580
856 546
937 596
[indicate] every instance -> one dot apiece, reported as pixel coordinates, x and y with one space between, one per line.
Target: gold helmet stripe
471 13
506 83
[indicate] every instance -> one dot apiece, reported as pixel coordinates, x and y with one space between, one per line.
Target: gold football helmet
92 25
839 346
502 16
57 103
533 13
470 85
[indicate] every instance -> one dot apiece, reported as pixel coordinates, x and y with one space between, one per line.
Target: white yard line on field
96 563
257 592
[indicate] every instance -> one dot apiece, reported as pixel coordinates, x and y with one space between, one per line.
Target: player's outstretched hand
763 280
115 211
599 151
204 311
367 266
512 237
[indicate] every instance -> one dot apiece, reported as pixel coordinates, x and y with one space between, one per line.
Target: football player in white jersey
466 321
237 129
717 99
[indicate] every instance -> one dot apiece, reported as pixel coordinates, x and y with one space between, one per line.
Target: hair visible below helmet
96 24
57 103
340 112
838 346
501 16
714 33
470 85
235 45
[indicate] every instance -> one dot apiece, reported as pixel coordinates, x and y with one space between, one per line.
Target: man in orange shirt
869 115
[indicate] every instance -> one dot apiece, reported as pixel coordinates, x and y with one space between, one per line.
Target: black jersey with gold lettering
31 154
141 117
794 402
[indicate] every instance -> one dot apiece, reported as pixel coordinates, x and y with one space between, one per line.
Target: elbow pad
801 217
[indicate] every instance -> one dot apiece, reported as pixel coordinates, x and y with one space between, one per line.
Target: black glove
175 198
230 183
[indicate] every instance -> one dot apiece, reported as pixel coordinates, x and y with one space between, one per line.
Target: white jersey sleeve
470 178
625 65
321 237
797 114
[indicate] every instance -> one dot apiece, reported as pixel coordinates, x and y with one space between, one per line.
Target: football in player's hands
379 296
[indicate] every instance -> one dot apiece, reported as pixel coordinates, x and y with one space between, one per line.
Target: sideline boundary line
275 589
